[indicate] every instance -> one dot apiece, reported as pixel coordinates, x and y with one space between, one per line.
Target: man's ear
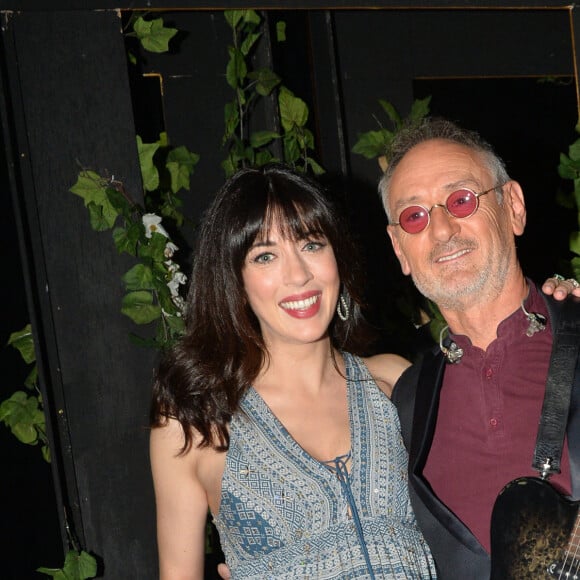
393 234
514 199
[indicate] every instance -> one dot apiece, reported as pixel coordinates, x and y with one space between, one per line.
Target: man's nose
443 225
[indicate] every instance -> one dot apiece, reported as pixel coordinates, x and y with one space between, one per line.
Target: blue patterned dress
283 514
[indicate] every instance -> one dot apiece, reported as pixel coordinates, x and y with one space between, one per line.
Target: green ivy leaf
263 157
90 186
231 119
391 112
575 242
292 149
248 42
576 267
170 209
77 566
420 108
229 166
93 189
293 110
21 414
172 329
181 164
574 150
139 307
373 144
567 168
252 17
163 292
260 138
236 69
153 35
281 31
155 248
266 80
316 168
149 171
246 17
119 202
234 17
99 220
307 139
23 342
126 239
139 277
145 342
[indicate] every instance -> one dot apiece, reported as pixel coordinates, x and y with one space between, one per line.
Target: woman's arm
386 370
181 504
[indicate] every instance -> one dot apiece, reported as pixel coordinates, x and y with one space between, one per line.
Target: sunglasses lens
414 219
461 203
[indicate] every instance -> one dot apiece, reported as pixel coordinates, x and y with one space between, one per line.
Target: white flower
170 249
177 280
152 223
179 303
171 266
181 277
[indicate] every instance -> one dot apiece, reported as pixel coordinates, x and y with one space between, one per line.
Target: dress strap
338 466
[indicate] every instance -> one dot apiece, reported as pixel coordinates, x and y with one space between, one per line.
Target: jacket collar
424 420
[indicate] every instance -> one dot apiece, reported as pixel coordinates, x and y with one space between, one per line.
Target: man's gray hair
431 128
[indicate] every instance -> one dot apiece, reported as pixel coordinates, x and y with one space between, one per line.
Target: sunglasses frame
444 206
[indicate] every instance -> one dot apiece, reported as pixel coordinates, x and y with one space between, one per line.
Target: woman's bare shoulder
169 440
386 369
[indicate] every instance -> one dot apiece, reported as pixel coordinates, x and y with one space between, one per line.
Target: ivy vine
569 168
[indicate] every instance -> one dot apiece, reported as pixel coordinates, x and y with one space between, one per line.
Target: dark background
69 96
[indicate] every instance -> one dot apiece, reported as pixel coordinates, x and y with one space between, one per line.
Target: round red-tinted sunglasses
459 204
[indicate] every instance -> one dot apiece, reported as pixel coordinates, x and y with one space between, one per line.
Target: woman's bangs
293 220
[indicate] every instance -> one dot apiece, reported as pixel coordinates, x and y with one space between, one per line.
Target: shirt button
488 373
493 422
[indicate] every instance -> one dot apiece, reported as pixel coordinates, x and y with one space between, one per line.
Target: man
470 427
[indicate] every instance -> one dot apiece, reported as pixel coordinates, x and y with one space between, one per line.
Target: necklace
453 353
537 322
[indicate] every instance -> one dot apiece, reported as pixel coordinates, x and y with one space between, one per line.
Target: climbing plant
569 168
245 147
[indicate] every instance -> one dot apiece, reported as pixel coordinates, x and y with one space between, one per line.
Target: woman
263 414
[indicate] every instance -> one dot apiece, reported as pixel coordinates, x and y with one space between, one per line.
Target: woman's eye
263 258
313 246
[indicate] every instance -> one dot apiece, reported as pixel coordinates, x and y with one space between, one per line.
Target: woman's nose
297 270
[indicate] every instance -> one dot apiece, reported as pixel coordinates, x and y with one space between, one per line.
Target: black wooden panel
195 92
70 93
414 44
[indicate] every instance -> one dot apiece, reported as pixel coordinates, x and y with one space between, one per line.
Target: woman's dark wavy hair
201 379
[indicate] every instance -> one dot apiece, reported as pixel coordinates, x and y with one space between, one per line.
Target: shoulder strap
565 318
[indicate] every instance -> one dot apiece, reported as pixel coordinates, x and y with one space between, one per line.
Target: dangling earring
342 308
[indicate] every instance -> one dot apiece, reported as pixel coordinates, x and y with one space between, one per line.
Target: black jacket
457 553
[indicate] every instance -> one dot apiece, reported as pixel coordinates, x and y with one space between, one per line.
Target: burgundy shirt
488 418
